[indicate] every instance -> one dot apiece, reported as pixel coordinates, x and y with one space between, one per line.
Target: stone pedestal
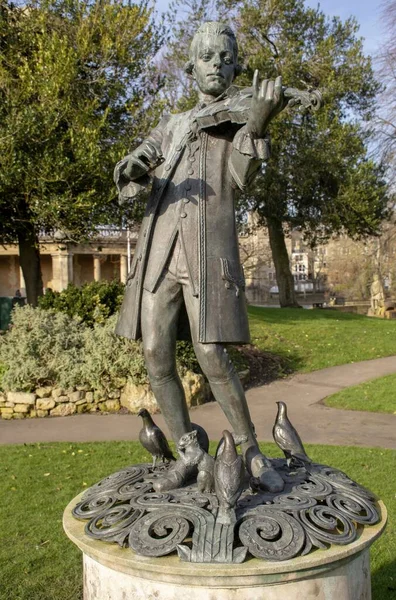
113 573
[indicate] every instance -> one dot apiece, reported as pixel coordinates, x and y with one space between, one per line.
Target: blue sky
368 15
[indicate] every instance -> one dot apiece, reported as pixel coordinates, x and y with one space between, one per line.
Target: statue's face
214 65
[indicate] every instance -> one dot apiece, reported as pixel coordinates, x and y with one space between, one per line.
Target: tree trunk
284 277
29 258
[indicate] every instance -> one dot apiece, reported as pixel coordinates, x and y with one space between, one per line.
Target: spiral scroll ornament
159 533
114 524
319 506
272 535
327 525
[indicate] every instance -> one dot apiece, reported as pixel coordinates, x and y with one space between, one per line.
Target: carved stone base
319 508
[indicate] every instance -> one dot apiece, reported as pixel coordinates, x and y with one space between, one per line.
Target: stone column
62 270
96 264
123 268
22 284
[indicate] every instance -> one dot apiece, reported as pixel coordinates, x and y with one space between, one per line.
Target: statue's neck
206 98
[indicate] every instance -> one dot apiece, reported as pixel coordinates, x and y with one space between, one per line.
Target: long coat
192 196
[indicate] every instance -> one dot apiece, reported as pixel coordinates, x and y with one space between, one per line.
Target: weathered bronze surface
318 507
153 439
287 438
186 274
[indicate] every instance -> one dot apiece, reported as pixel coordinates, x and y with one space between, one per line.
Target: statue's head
213 58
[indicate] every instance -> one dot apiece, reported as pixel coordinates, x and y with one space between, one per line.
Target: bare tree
386 61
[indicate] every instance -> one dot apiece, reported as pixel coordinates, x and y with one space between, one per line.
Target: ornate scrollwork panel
318 507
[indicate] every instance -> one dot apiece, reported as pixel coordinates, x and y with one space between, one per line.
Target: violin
235 106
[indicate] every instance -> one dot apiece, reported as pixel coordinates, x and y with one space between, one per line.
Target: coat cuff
256 148
127 189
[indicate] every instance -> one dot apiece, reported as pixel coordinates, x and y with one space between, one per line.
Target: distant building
260 275
104 257
341 267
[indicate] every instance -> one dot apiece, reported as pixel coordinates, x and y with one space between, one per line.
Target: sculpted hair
212 28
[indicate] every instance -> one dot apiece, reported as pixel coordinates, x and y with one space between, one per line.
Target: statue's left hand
267 102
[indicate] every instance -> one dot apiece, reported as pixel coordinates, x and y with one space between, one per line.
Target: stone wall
56 402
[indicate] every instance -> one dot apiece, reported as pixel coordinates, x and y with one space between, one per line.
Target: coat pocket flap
232 274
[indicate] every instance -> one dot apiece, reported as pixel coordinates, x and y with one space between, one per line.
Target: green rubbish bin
6 306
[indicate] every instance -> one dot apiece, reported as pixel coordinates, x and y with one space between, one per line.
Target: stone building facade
105 257
342 266
260 276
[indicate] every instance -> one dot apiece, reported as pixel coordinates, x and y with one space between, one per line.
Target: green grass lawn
377 395
308 340
38 562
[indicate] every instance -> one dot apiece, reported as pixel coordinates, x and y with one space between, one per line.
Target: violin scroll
309 100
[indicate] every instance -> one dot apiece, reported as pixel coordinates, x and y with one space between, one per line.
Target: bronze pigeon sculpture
288 439
229 474
153 439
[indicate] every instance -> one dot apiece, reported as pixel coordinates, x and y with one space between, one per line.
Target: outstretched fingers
255 84
269 91
278 89
264 88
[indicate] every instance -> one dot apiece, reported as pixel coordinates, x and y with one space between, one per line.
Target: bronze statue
288 440
191 451
153 439
228 478
186 268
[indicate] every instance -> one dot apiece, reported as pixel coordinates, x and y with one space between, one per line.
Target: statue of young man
187 258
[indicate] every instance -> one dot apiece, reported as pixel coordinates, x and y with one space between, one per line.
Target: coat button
178 148
190 171
183 215
167 167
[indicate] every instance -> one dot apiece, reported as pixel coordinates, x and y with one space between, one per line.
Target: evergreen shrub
46 347
93 302
41 348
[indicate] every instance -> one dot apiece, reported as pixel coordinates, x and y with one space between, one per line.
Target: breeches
160 315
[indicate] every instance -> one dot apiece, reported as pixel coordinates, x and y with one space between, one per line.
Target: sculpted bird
153 440
228 475
238 440
288 439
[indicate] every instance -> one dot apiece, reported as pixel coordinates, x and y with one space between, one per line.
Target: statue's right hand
141 160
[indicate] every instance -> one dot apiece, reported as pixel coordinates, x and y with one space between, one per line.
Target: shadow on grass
265 367
383 582
289 315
